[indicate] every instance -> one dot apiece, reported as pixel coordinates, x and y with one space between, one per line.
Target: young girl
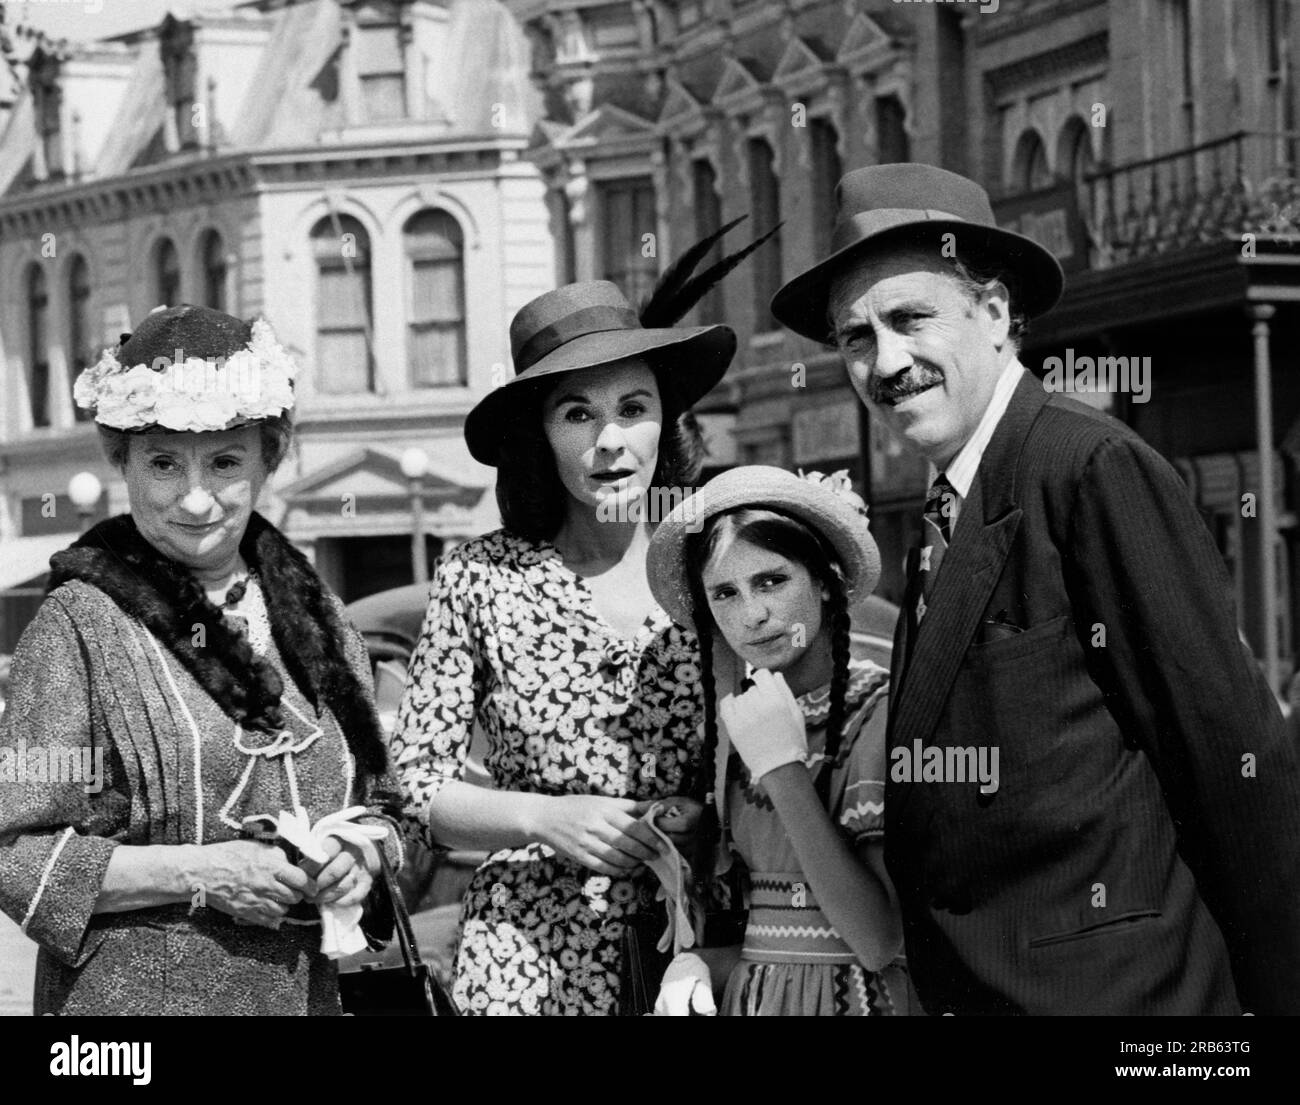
763 565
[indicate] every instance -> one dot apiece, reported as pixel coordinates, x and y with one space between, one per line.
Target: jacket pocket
1125 922
1025 643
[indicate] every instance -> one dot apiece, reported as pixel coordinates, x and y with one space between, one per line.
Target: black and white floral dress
512 639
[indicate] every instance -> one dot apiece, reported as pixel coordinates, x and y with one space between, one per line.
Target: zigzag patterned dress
793 962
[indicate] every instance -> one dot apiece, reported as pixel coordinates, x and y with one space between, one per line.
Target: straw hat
824 503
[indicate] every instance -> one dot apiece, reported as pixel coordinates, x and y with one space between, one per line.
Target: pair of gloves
341 933
765 725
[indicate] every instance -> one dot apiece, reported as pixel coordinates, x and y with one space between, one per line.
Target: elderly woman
193 660
546 634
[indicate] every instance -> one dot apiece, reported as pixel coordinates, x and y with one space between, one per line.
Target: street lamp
84 489
415 465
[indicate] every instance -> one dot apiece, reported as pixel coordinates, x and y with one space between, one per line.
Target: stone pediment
679 104
740 79
371 474
802 58
865 39
605 123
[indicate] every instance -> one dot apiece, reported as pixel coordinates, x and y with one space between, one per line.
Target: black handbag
642 964
411 990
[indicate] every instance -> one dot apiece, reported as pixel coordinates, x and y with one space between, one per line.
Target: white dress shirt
961 472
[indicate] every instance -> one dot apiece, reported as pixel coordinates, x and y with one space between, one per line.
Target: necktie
936 533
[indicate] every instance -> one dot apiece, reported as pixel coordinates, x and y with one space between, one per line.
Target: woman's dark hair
795 540
276 437
530 496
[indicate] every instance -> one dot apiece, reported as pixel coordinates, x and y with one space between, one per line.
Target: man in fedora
1140 850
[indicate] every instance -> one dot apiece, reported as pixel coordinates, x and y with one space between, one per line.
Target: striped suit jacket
1141 852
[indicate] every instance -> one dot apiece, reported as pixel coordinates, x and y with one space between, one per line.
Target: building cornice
992 30
1049 66
196 181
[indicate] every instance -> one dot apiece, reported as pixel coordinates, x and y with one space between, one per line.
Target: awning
25 558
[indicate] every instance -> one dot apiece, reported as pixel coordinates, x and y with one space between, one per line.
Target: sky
88 19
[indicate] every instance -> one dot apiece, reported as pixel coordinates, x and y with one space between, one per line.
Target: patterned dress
513 641
793 962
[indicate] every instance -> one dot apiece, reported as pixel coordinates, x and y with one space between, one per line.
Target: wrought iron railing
1243 183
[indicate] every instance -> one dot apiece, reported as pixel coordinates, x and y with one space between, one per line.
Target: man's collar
961 472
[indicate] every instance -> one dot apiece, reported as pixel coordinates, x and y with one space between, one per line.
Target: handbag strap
401 918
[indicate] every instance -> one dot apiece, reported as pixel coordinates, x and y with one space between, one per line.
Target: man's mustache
890 391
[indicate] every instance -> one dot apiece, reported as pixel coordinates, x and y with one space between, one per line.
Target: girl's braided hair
795 540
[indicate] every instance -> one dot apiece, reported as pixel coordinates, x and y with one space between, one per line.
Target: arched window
708 218
827 170
1029 170
167 274
38 345
765 202
1074 151
891 130
627 215
80 351
212 259
1074 158
435 256
344 318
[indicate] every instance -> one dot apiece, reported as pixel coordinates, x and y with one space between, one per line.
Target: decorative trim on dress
194 734
286 745
46 872
865 678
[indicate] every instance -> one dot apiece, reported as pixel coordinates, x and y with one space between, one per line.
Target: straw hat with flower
826 503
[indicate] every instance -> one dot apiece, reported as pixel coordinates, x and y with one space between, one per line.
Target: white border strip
194 731
45 876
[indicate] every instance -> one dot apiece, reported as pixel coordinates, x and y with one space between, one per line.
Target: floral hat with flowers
189 368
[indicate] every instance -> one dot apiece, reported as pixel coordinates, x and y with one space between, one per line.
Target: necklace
235 595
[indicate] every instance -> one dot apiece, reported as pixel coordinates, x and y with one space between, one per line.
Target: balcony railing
1244 183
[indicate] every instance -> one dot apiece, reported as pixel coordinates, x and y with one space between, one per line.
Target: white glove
765 724
687 988
341 933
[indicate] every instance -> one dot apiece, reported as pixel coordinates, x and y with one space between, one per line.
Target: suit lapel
972 565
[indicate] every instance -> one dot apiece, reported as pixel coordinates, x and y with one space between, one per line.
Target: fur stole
309 633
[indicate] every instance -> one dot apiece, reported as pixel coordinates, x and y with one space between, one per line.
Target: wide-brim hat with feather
188 368
590 324
827 504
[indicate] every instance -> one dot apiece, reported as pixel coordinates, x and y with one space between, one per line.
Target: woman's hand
679 820
765 724
348 876
250 880
603 834
687 988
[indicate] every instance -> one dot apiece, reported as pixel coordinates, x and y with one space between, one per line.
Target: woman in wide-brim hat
765 567
187 679
546 635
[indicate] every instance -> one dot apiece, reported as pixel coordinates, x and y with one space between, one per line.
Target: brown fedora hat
900 204
585 325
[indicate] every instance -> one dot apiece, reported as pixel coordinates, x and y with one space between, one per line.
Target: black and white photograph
669 508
